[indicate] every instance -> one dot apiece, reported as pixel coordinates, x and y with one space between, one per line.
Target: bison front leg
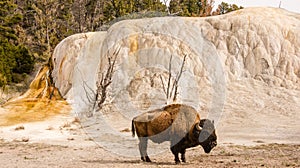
143 149
175 148
179 148
175 152
183 155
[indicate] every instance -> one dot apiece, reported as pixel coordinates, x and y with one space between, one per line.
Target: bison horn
198 127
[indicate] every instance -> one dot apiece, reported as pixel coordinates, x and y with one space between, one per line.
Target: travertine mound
260 43
255 43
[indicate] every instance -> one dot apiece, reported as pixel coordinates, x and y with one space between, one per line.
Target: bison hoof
148 159
177 161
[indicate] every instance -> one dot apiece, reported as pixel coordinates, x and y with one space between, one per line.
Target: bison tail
132 129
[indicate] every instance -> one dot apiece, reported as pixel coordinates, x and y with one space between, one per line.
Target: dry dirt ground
258 128
22 154
59 143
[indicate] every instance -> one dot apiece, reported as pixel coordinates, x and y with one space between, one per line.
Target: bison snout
213 144
207 149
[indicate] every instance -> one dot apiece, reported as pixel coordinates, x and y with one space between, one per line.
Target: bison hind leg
143 149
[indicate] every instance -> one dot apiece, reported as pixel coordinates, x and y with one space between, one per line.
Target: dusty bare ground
22 154
258 128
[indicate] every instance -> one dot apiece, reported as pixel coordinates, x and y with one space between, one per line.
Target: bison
180 124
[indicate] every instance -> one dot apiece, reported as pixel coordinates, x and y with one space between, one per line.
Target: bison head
204 131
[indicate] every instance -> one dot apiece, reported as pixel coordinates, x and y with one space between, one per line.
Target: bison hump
176 119
161 122
149 116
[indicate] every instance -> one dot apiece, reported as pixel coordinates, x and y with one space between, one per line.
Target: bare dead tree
176 80
166 3
106 77
279 4
171 92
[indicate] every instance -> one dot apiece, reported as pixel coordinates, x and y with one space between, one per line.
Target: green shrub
14 60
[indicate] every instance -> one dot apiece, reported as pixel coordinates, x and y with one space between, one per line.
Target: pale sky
291 5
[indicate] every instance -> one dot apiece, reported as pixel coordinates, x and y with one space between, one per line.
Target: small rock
25 139
89 139
66 125
125 130
259 141
76 120
50 128
21 127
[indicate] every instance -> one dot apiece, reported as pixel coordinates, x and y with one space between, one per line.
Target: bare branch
168 7
106 80
176 13
163 84
88 89
171 91
177 78
169 80
85 85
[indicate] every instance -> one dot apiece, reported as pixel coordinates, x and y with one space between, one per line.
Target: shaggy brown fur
174 120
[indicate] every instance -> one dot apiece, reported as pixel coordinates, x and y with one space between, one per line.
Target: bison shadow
131 162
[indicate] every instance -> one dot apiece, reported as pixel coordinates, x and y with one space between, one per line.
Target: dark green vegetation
30 29
15 59
199 8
